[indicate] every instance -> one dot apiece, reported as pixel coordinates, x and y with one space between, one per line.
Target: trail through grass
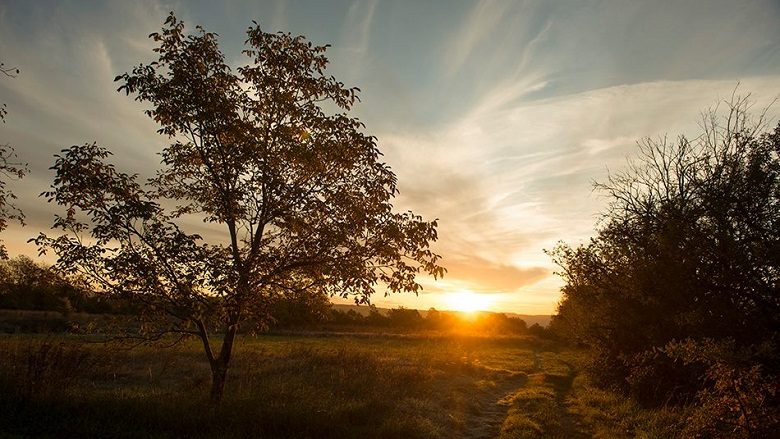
540 407
558 401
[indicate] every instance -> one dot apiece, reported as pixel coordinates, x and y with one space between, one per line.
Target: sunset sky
496 116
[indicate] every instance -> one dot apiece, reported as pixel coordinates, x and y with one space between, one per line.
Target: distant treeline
434 320
29 285
26 285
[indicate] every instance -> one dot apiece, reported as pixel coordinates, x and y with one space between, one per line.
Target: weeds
39 369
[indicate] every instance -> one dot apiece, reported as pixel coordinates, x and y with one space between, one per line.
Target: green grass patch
611 415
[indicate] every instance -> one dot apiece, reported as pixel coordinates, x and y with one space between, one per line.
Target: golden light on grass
468 301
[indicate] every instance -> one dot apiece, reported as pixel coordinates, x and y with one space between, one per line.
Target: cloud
480 24
510 181
482 275
356 33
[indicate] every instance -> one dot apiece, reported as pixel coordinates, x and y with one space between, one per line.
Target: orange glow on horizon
467 301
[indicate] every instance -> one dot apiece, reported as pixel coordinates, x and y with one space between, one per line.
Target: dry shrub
742 403
45 368
740 399
656 379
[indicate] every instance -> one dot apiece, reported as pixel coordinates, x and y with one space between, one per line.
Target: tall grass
314 387
278 387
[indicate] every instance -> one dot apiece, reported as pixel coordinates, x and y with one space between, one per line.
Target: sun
467 301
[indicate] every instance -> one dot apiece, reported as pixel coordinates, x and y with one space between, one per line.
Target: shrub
45 368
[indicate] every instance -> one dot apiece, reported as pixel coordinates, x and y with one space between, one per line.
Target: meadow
338 386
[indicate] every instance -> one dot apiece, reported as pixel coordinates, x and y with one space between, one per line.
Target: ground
409 386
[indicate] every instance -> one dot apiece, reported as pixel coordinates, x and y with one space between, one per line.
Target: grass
610 415
558 402
537 409
304 386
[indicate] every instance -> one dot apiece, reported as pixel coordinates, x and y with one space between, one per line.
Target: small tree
301 194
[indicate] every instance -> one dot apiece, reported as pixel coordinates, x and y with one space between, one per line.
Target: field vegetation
313 386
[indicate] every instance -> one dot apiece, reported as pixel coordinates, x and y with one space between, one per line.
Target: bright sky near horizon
496 116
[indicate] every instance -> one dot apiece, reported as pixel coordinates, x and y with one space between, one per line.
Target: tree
29 285
402 317
298 308
686 262
688 249
304 202
10 168
25 284
10 72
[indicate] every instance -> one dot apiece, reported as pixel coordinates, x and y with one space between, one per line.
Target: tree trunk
218 376
219 366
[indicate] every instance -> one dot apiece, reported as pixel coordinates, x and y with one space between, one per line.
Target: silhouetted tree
299 308
301 194
404 317
689 248
538 330
349 318
29 285
10 168
433 318
375 317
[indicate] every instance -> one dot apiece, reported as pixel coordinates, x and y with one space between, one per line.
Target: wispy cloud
511 181
356 32
479 25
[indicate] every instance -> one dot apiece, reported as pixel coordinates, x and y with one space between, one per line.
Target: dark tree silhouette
301 194
10 169
688 248
11 72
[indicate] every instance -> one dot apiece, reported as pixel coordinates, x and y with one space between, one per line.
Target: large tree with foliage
687 250
298 189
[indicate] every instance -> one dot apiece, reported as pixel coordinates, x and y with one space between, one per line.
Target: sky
496 116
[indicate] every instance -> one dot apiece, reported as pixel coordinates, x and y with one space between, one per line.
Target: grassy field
306 386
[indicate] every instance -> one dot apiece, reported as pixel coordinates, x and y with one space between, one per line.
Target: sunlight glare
467 301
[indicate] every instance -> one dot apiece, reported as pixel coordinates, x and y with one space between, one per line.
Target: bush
739 398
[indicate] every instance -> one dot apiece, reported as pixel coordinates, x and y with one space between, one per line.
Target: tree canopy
266 152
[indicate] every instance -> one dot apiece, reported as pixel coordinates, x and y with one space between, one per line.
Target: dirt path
569 422
538 363
569 425
545 403
490 412
489 406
